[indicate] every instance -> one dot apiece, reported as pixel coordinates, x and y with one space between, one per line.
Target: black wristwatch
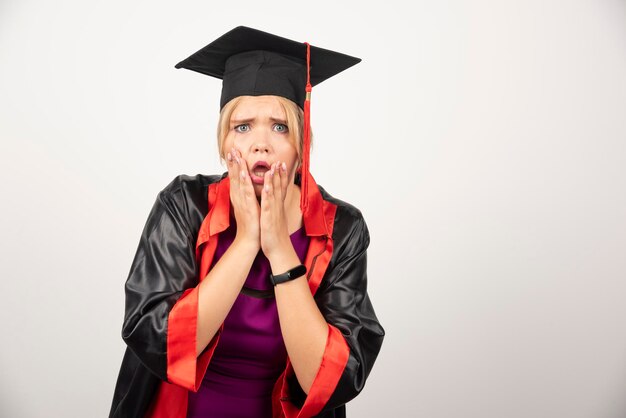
294 273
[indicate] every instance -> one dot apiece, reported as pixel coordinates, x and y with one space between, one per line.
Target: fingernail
243 174
284 167
267 188
230 157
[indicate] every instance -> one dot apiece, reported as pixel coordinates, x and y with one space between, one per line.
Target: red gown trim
185 372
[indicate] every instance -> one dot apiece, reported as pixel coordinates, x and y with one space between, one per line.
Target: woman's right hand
243 198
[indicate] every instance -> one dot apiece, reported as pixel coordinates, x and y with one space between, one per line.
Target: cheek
288 151
291 160
231 141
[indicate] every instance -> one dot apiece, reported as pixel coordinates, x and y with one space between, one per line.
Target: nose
260 146
260 143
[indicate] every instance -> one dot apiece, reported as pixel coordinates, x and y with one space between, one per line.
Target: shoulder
186 197
345 208
186 185
349 220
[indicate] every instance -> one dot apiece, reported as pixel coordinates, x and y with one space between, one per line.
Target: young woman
247 296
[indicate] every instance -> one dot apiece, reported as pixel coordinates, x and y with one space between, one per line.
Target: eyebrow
278 120
248 120
240 121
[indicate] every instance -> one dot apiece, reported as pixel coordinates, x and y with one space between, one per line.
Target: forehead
250 107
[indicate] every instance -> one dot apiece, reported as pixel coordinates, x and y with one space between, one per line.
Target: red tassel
304 177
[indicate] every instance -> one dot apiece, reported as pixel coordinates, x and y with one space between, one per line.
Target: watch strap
291 274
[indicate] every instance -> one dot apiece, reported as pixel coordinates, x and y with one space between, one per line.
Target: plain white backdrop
484 142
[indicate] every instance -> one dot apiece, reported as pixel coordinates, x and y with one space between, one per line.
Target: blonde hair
295 124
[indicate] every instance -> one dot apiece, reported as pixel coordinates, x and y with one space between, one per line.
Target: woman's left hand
273 221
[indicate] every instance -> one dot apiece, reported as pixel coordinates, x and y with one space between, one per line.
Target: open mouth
258 170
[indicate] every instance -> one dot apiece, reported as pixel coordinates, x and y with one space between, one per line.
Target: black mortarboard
254 63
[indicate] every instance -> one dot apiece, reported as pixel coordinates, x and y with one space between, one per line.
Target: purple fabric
251 354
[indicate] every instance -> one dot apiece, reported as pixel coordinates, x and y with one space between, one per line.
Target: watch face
298 271
294 273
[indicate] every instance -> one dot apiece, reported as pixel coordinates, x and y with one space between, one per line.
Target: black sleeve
345 304
163 267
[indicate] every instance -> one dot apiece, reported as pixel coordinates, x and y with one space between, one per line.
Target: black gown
160 367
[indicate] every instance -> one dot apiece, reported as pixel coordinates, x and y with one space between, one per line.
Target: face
258 129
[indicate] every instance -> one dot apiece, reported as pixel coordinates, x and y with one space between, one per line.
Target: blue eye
242 128
281 127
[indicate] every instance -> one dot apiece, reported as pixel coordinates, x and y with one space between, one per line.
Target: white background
484 142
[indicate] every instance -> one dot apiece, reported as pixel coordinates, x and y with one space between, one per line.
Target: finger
266 191
267 182
247 188
230 165
276 182
284 178
233 165
244 177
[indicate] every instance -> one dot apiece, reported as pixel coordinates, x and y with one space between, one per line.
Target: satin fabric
165 267
251 353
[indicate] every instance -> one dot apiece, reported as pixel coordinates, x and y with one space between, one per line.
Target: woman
247 296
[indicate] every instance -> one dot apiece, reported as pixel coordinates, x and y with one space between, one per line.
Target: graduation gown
175 251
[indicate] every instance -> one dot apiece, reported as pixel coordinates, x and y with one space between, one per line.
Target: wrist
246 245
283 259
289 275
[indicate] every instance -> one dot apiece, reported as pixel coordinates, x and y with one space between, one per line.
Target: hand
243 198
274 230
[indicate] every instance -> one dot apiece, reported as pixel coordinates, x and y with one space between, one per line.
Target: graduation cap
251 62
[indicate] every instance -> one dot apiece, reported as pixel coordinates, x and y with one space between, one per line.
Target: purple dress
251 354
